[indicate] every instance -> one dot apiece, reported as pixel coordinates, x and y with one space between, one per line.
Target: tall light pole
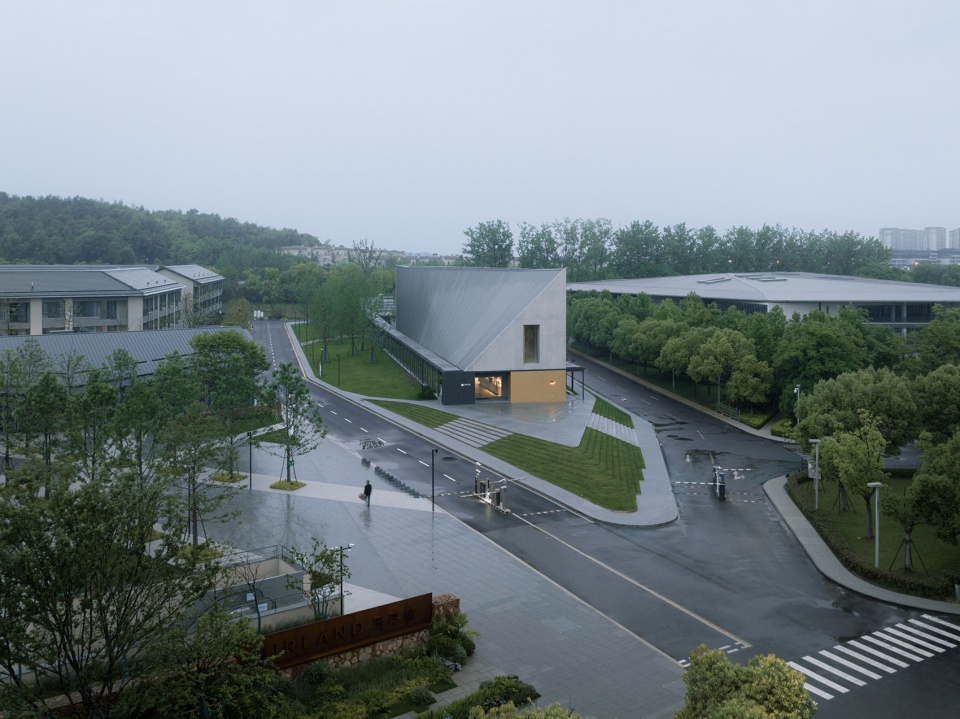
816 472
342 550
796 412
250 446
433 486
876 522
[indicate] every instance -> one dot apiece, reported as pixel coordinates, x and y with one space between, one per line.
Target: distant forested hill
57 230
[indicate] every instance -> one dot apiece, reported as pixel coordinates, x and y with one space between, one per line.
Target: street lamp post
876 522
796 412
342 550
433 486
816 472
250 447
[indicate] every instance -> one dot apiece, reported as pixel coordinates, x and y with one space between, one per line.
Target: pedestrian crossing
857 662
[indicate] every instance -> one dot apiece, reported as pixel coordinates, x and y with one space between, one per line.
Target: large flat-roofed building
483 333
902 306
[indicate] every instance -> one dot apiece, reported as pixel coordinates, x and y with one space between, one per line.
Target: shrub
494 693
421 696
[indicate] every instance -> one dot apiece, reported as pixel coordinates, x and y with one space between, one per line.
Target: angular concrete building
483 333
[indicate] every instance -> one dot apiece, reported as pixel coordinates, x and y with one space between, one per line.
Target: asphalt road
728 575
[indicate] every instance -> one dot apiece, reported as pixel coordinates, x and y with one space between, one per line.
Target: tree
87 592
230 367
935 490
938 343
238 313
324 570
366 255
767 688
815 347
537 248
300 415
935 393
489 244
638 251
855 458
208 665
837 404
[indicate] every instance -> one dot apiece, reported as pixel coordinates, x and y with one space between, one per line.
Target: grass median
602 469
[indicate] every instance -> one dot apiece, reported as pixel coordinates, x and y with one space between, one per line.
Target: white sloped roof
457 312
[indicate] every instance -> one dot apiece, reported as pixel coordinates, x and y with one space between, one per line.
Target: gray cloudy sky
407 121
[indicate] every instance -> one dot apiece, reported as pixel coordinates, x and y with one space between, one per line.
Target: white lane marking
348 421
400 451
871 650
423 463
855 667
891 636
817 678
450 478
928 637
932 628
382 440
891 648
834 670
332 412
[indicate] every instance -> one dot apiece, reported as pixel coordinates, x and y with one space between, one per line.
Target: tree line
593 249
104 495
55 230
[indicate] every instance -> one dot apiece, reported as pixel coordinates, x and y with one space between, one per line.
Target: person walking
367 491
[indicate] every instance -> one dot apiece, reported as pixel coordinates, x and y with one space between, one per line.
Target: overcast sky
406 121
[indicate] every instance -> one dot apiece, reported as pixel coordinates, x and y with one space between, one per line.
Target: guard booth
719 482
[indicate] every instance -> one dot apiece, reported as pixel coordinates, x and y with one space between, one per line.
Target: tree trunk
907 551
866 501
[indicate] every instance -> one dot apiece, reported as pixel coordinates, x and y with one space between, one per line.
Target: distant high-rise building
953 239
936 237
929 238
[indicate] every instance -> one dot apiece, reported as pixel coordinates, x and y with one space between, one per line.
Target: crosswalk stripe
891 648
817 678
938 620
928 637
932 628
819 692
885 634
914 640
873 651
834 670
855 667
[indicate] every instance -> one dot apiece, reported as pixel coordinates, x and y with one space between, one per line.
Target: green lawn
614 414
355 372
602 469
939 557
419 413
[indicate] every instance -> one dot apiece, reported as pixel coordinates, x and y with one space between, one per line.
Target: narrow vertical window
531 344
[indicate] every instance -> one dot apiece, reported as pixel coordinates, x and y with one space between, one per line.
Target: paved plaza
528 625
